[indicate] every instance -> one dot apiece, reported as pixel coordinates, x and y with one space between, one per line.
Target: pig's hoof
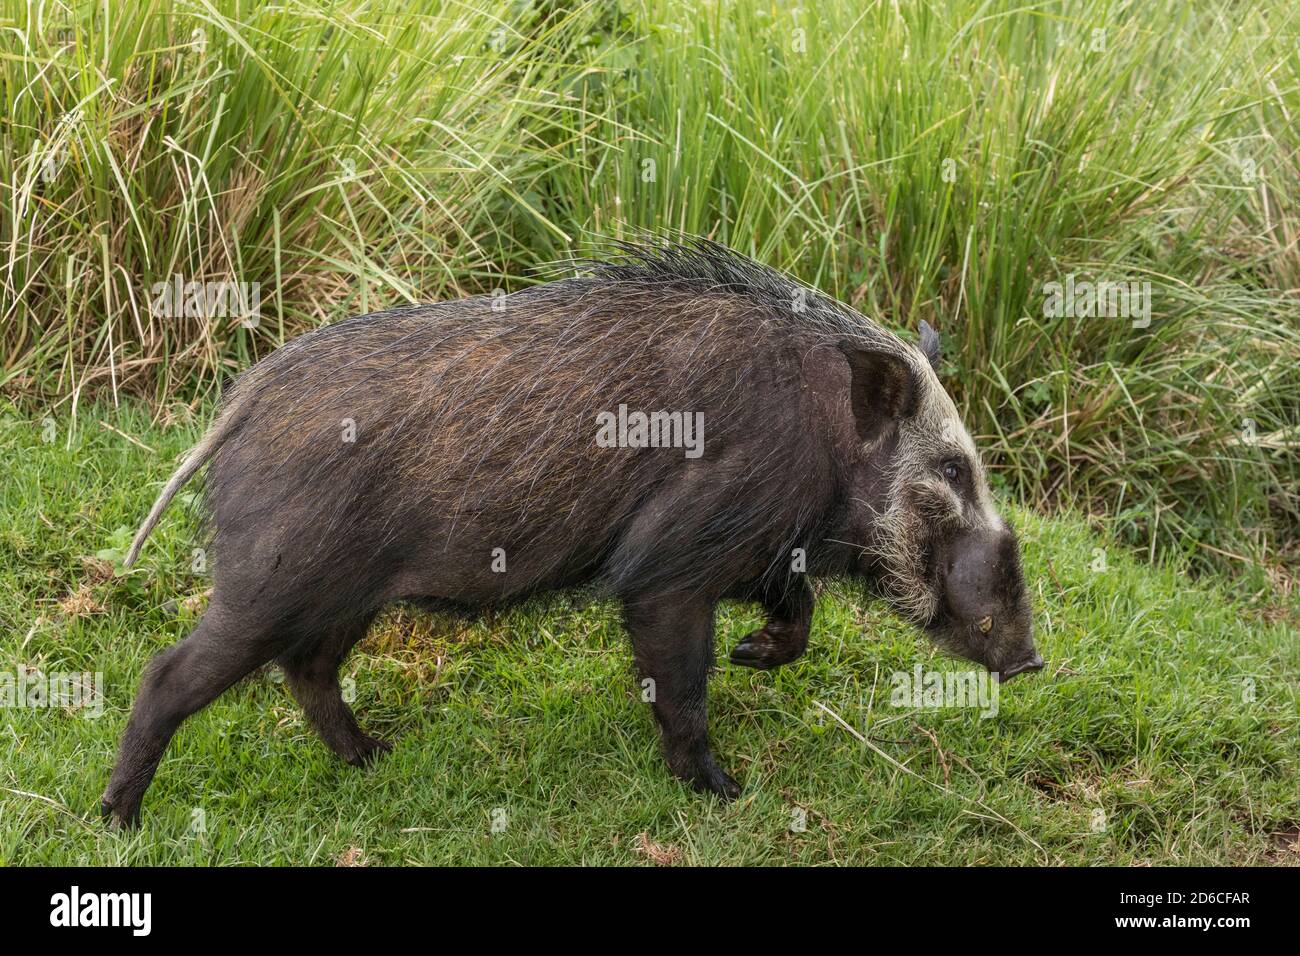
119 818
707 777
719 782
365 750
767 648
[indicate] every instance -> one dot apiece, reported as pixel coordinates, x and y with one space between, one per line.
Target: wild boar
673 426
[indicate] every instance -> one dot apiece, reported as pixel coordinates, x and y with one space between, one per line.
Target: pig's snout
985 599
1030 664
983 580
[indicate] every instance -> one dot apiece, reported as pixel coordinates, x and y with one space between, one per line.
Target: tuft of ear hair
930 344
882 389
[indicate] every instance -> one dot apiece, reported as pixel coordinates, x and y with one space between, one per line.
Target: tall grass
344 155
924 161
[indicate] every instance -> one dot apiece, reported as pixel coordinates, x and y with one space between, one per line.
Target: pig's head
935 547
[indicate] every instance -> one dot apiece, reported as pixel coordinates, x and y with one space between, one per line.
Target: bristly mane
698 265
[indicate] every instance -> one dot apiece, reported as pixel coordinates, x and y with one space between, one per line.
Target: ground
1163 730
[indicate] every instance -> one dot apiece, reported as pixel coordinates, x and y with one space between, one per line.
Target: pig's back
435 445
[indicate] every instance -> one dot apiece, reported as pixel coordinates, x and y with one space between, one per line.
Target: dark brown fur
474 430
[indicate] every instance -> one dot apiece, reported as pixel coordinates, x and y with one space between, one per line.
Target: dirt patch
660 854
1284 846
81 603
97 570
352 856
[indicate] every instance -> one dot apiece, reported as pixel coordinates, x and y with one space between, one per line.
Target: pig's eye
952 470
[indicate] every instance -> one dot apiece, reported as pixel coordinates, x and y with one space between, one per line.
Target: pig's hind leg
178 682
312 675
672 641
784 637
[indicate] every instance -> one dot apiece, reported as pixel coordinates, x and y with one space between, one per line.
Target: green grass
344 155
1141 716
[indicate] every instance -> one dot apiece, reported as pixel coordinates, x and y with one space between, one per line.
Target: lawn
1164 729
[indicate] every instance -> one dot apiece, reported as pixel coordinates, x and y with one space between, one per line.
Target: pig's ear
930 344
883 389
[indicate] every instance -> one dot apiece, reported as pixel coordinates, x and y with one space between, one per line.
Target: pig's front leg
672 641
784 637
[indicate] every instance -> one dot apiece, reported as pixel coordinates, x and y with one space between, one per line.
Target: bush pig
673 426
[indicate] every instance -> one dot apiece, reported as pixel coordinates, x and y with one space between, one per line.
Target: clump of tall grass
342 155
947 161
925 161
